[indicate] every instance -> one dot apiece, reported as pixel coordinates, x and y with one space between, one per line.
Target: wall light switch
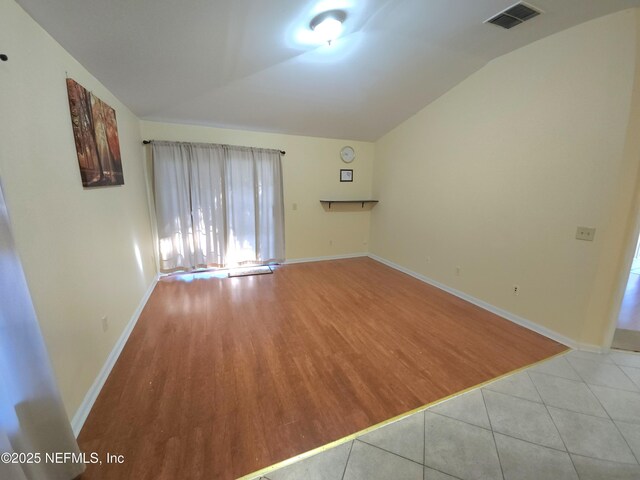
585 233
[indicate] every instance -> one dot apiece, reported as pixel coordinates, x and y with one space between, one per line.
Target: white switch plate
585 233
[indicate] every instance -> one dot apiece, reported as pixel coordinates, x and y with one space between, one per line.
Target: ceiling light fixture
328 25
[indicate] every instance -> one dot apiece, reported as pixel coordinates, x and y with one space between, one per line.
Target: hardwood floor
222 377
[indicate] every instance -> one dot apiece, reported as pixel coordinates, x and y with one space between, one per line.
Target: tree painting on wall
96 135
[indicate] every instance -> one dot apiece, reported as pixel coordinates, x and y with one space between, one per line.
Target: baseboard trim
322 259
82 413
588 347
523 322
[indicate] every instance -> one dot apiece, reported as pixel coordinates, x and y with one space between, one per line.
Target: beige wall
495 176
78 247
617 254
311 169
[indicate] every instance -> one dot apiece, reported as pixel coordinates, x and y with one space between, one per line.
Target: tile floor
576 416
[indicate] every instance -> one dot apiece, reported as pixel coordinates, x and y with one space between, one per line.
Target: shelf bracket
361 202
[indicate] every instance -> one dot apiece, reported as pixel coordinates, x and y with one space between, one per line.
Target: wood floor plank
222 377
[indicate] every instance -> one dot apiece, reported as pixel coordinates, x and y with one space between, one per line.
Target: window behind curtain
217 205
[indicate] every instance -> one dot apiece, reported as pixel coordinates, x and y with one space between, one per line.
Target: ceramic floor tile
430 474
522 419
592 469
460 449
404 437
626 359
558 367
605 374
633 373
530 441
631 433
371 463
525 461
597 357
619 404
328 465
591 436
518 385
468 408
563 393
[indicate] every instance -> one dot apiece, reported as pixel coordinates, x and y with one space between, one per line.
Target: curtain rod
147 142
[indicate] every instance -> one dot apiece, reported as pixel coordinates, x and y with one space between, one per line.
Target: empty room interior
319 239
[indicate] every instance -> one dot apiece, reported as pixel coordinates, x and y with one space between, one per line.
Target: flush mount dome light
328 25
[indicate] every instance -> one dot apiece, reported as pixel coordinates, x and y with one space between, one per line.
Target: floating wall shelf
362 202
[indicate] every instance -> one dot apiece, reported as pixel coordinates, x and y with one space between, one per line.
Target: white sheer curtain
32 419
217 205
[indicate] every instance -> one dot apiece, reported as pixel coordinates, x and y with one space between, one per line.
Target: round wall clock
347 154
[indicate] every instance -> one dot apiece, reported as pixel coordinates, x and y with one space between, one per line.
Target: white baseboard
322 259
523 322
587 347
85 407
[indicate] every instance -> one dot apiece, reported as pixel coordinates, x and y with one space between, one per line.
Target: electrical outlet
458 270
585 233
330 242
428 259
516 290
105 323
295 206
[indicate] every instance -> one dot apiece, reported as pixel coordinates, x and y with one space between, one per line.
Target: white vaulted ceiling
245 64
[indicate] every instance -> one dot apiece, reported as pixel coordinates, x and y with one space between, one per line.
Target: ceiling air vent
515 15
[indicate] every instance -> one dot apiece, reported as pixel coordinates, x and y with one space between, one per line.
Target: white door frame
626 260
